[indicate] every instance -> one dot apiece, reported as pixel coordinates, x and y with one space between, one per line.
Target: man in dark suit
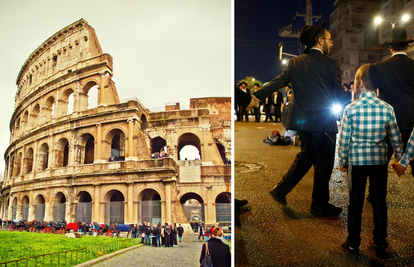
242 109
316 79
257 113
398 88
268 103
278 100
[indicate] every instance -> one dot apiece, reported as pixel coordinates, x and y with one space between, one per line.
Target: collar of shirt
368 94
314 48
399 53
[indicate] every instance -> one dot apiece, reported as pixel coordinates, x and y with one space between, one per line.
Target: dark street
272 235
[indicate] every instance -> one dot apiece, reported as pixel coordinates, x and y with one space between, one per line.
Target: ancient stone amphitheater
72 159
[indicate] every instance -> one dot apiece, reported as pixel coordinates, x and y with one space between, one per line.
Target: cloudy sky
163 50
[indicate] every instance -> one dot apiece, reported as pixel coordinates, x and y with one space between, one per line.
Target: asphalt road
272 235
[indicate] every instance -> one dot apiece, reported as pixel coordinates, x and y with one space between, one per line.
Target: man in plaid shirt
362 152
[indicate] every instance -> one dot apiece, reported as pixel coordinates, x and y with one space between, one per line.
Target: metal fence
14 210
39 212
223 212
59 210
83 212
25 212
150 211
114 212
71 257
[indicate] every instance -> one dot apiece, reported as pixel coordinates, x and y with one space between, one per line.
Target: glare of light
336 108
377 20
189 152
253 79
284 62
405 18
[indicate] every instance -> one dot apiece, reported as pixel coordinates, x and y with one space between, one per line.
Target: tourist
220 252
167 232
180 230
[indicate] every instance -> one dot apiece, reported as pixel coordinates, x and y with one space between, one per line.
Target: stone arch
114 207
25 207
59 207
66 102
83 211
157 144
28 165
48 109
188 139
87 142
39 203
43 157
34 115
193 206
19 163
89 95
12 166
149 207
223 207
62 153
115 144
144 122
17 127
25 121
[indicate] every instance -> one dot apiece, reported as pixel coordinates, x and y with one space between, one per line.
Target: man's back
398 88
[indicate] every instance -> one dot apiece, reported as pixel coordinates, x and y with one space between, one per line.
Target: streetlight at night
378 20
284 61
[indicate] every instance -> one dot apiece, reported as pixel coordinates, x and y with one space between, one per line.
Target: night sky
257 25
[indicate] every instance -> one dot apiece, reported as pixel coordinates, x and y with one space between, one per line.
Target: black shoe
325 210
353 253
240 203
277 195
381 252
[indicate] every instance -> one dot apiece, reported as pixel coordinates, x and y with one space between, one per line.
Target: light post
378 20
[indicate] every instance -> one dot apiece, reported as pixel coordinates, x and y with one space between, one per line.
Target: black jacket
398 88
220 252
316 79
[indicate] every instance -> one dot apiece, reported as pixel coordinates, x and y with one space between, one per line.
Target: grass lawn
18 245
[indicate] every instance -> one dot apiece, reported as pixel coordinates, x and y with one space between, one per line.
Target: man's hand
343 169
254 103
400 169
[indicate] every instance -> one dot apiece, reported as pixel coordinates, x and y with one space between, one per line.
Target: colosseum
109 161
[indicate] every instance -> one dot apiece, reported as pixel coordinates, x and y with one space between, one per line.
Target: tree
250 83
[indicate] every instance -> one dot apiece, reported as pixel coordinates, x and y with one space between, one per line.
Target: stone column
98 158
130 204
130 154
68 214
48 214
96 206
168 202
19 215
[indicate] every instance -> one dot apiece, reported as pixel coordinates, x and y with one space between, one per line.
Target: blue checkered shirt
365 125
409 151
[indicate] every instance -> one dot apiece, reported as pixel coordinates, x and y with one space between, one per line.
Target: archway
62 155
223 207
87 148
34 115
25 121
144 122
29 161
193 206
114 207
39 208
191 145
25 208
48 109
84 207
157 145
66 102
43 157
19 163
93 97
116 138
14 208
59 207
149 208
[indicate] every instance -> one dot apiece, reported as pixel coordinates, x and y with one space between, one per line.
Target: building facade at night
111 161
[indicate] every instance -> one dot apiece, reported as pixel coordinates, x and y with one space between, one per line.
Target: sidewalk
186 254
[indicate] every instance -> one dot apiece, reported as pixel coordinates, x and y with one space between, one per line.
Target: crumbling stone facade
69 161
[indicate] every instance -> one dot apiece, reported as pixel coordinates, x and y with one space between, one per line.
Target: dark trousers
257 114
167 240
378 175
267 112
200 235
405 136
317 150
278 113
242 112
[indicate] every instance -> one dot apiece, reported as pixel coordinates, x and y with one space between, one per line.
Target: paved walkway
186 254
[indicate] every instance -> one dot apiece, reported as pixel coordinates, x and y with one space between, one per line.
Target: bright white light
377 20
253 79
284 62
405 18
337 108
189 152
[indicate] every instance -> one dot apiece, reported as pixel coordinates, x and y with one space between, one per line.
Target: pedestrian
242 109
257 113
148 234
362 151
220 252
201 232
207 232
157 233
162 235
180 230
134 231
316 79
167 232
174 235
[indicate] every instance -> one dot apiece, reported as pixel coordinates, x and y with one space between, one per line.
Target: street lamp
284 61
378 20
